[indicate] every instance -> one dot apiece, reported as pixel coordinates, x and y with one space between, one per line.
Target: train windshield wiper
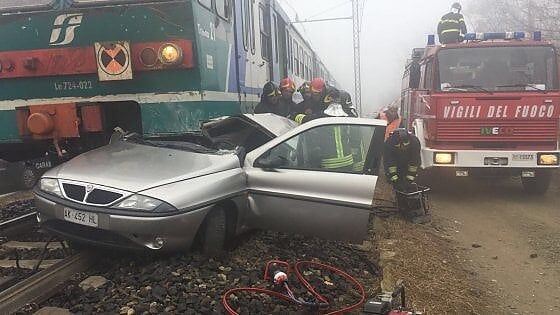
468 86
525 85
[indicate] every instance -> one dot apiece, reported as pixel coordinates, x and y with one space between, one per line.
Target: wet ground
509 238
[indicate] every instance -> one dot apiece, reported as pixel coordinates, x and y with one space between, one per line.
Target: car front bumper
177 231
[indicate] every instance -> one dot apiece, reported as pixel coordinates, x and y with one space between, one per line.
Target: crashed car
243 172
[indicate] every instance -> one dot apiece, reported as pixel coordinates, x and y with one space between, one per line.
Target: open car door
318 179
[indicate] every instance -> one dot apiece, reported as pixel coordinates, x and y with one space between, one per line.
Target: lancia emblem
89 188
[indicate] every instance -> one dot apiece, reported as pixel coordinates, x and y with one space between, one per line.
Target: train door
281 46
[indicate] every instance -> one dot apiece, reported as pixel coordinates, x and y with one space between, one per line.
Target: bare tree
515 15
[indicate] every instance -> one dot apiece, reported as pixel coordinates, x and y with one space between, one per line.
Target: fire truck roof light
491 36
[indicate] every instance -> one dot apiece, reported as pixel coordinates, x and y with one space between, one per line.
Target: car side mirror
270 162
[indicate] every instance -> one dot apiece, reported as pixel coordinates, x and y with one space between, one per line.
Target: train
71 71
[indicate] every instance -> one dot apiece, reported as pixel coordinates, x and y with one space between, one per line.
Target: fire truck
487 106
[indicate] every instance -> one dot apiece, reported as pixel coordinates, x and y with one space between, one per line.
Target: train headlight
170 54
444 158
51 186
548 159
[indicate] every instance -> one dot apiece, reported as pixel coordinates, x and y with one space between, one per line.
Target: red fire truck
487 106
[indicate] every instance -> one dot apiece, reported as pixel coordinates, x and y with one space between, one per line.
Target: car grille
74 192
102 197
96 195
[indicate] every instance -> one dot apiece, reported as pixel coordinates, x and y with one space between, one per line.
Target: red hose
305 283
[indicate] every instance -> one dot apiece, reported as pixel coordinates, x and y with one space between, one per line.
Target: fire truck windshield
495 69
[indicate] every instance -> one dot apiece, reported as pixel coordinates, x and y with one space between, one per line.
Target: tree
515 15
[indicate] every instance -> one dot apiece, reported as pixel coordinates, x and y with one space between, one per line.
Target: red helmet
317 85
287 84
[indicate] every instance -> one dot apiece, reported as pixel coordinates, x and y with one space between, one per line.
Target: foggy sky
391 28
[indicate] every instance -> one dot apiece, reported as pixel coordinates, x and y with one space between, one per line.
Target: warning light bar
503 35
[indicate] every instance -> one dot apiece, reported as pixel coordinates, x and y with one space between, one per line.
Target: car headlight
548 159
444 158
140 202
51 186
170 54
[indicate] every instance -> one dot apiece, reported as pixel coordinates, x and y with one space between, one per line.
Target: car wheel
539 184
214 232
28 177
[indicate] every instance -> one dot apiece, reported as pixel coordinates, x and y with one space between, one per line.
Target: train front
494 109
73 71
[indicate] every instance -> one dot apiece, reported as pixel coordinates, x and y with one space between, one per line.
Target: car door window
328 148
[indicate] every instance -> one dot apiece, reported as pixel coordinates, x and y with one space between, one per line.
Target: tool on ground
390 303
278 273
414 203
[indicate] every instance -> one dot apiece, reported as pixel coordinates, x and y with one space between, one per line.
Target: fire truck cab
487 106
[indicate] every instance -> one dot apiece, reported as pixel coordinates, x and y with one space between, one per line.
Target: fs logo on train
113 61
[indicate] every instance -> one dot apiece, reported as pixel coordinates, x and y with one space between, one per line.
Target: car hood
136 167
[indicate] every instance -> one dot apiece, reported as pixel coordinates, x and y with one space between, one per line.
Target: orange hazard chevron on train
113 61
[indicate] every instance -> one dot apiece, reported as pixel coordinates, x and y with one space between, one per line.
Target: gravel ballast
193 284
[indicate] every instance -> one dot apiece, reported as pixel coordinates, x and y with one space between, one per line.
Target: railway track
34 266
44 284
18 225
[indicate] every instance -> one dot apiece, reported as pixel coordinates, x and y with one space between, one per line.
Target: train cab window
223 9
206 3
264 20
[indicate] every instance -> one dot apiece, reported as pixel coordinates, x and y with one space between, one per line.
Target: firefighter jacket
402 159
450 28
330 150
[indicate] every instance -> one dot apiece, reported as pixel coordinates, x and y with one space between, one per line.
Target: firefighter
287 89
318 90
452 27
391 115
270 99
402 159
346 101
333 150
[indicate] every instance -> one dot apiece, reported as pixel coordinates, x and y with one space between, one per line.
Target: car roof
275 124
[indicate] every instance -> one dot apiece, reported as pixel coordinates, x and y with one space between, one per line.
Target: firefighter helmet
287 84
457 6
317 85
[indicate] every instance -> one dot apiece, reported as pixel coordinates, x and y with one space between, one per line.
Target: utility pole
357 60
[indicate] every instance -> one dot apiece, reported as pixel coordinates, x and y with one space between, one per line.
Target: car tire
27 178
214 233
539 184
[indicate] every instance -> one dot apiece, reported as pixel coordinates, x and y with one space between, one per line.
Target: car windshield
494 69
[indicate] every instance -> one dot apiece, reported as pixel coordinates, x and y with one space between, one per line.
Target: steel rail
17 224
44 284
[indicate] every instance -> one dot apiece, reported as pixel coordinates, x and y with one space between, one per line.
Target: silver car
244 172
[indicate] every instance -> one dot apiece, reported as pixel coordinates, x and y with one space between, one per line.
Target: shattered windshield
497 69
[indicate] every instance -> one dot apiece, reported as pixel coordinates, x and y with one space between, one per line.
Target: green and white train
73 70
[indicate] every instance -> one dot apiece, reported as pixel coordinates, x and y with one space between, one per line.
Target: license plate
81 217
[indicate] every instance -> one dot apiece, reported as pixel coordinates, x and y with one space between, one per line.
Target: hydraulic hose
322 304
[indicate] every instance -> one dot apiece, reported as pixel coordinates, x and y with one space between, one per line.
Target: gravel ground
16 209
192 284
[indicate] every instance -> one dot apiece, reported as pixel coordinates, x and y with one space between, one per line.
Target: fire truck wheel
539 184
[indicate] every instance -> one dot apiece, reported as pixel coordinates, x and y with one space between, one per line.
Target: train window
301 61
206 3
252 15
276 38
289 50
296 57
246 25
223 9
264 20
